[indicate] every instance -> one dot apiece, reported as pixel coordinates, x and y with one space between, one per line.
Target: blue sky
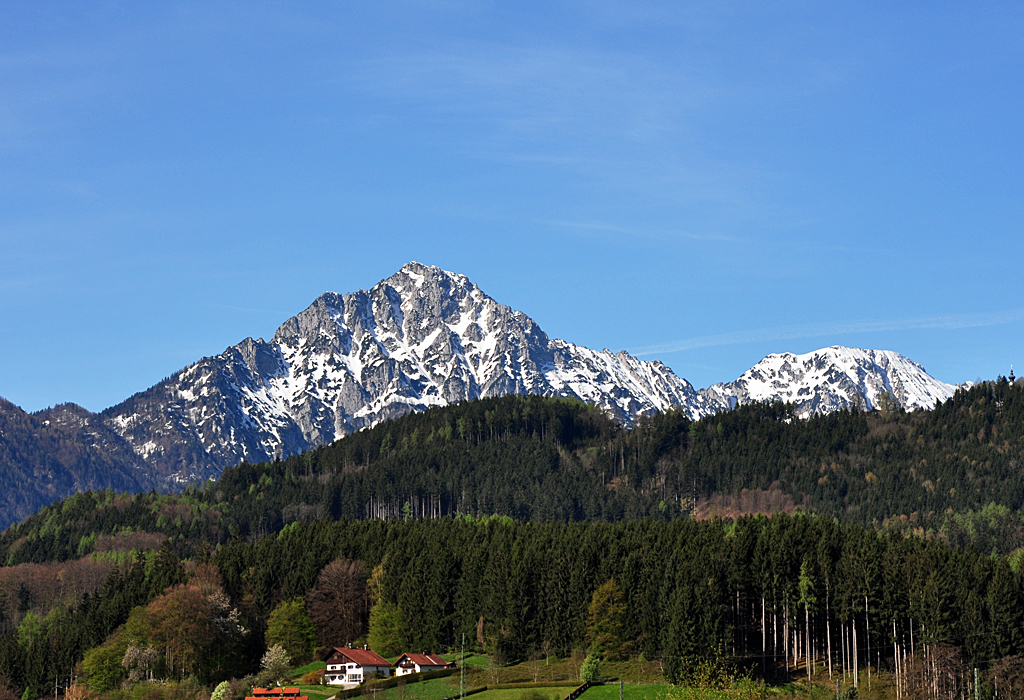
701 184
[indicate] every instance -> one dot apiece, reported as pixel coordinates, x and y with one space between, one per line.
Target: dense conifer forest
763 593
955 471
500 519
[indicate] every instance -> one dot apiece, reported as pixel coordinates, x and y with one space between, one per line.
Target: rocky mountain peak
833 378
426 337
422 337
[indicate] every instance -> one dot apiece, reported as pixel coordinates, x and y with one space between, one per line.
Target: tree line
778 596
500 519
953 472
775 593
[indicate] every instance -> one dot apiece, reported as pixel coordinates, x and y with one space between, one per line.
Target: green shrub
221 691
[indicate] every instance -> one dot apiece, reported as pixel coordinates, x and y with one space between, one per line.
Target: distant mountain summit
423 337
831 379
51 454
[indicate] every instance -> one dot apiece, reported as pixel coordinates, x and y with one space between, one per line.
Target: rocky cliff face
423 337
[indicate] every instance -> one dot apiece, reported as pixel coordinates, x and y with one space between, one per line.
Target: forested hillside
760 593
955 471
468 518
688 587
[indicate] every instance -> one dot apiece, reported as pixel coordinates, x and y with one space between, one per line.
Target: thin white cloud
612 228
814 330
618 120
531 95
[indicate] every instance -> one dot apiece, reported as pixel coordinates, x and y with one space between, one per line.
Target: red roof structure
362 657
284 693
422 660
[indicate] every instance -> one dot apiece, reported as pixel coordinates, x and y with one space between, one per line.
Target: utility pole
867 633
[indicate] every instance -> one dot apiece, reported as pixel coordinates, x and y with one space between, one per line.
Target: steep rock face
830 379
88 429
423 337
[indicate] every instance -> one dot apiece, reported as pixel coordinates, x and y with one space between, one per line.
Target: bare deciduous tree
339 605
1007 677
937 673
6 692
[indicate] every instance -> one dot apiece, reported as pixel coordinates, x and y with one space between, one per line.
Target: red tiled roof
275 692
423 659
363 657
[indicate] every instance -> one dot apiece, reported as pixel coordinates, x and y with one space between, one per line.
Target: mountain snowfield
833 378
425 337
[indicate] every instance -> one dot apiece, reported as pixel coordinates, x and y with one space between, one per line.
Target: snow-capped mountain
830 379
423 337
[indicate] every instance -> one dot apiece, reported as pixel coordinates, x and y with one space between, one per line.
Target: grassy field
523 694
316 692
633 671
434 689
630 692
655 692
644 681
472 660
312 666
480 671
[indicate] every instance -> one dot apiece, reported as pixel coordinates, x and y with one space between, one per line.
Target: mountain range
420 338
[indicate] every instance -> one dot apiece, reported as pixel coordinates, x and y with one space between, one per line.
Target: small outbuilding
276 694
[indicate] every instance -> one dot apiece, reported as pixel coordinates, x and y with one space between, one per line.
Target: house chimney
365 647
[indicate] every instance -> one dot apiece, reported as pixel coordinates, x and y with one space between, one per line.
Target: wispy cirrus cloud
814 330
602 227
624 121
530 90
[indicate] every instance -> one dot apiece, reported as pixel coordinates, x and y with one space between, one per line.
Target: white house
346 666
417 663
